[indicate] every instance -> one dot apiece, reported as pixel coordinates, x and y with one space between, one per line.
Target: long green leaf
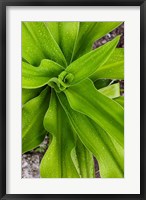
53 28
111 91
120 100
89 32
111 162
46 42
31 51
85 98
57 162
35 77
113 68
88 64
33 113
85 160
28 94
68 32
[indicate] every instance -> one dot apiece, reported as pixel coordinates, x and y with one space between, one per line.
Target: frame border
3 5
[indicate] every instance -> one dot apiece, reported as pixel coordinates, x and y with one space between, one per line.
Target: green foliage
113 68
98 107
33 112
68 92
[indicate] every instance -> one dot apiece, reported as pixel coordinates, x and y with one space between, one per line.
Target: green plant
67 93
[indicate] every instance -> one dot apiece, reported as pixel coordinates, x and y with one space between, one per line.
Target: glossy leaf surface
57 162
88 64
33 113
28 94
113 68
111 91
96 140
53 28
35 77
45 41
31 51
120 100
85 161
84 98
68 32
69 91
90 32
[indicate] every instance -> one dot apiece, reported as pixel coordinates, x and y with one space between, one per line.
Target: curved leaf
33 113
57 162
53 28
89 32
31 52
28 94
68 32
46 42
111 161
88 64
109 115
113 68
35 77
111 91
120 100
85 160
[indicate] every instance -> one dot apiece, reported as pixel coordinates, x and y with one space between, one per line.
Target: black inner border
3 5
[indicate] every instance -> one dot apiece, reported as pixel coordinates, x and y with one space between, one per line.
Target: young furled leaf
85 115
88 64
35 77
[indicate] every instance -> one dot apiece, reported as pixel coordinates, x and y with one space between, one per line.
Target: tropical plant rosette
69 92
